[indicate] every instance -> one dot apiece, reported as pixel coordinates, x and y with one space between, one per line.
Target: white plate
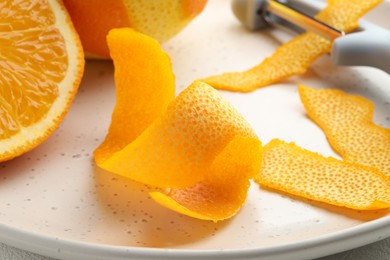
54 200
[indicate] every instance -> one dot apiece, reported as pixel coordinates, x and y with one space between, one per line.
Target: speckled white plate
54 200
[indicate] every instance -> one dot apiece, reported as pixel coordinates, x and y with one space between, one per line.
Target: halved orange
41 65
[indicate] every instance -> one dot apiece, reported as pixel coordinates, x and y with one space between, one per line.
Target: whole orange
160 19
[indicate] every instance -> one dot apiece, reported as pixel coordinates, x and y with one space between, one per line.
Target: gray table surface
375 251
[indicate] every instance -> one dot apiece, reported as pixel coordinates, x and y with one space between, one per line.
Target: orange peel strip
295 56
291 169
198 146
224 189
138 62
347 123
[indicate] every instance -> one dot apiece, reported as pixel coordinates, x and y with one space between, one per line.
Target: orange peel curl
347 123
295 56
291 169
196 146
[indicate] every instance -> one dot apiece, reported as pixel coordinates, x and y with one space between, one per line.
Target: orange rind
144 85
291 169
225 187
295 56
196 146
347 123
160 19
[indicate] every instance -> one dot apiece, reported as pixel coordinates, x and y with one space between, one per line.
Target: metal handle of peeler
368 47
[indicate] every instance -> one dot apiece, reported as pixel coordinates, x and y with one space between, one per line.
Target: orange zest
196 145
41 65
347 123
224 189
144 85
291 169
295 56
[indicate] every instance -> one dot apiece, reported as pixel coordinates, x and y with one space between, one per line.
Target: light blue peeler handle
369 47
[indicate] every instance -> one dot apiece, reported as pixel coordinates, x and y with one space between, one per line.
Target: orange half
41 65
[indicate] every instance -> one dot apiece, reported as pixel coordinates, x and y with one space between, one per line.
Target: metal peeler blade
370 46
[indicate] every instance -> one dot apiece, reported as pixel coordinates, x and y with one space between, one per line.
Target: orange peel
138 62
291 169
295 56
160 19
196 145
224 189
347 123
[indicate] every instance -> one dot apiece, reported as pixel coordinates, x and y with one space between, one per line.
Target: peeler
369 45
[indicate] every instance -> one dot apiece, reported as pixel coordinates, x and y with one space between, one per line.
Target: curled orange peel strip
295 56
197 145
222 193
291 169
347 123
139 64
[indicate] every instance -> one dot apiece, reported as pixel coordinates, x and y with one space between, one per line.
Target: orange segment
289 168
199 146
41 65
295 56
347 122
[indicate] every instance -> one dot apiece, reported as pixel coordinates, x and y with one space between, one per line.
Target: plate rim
322 245
319 246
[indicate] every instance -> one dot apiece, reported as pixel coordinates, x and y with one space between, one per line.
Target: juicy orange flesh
347 122
102 16
198 145
295 56
291 169
26 44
